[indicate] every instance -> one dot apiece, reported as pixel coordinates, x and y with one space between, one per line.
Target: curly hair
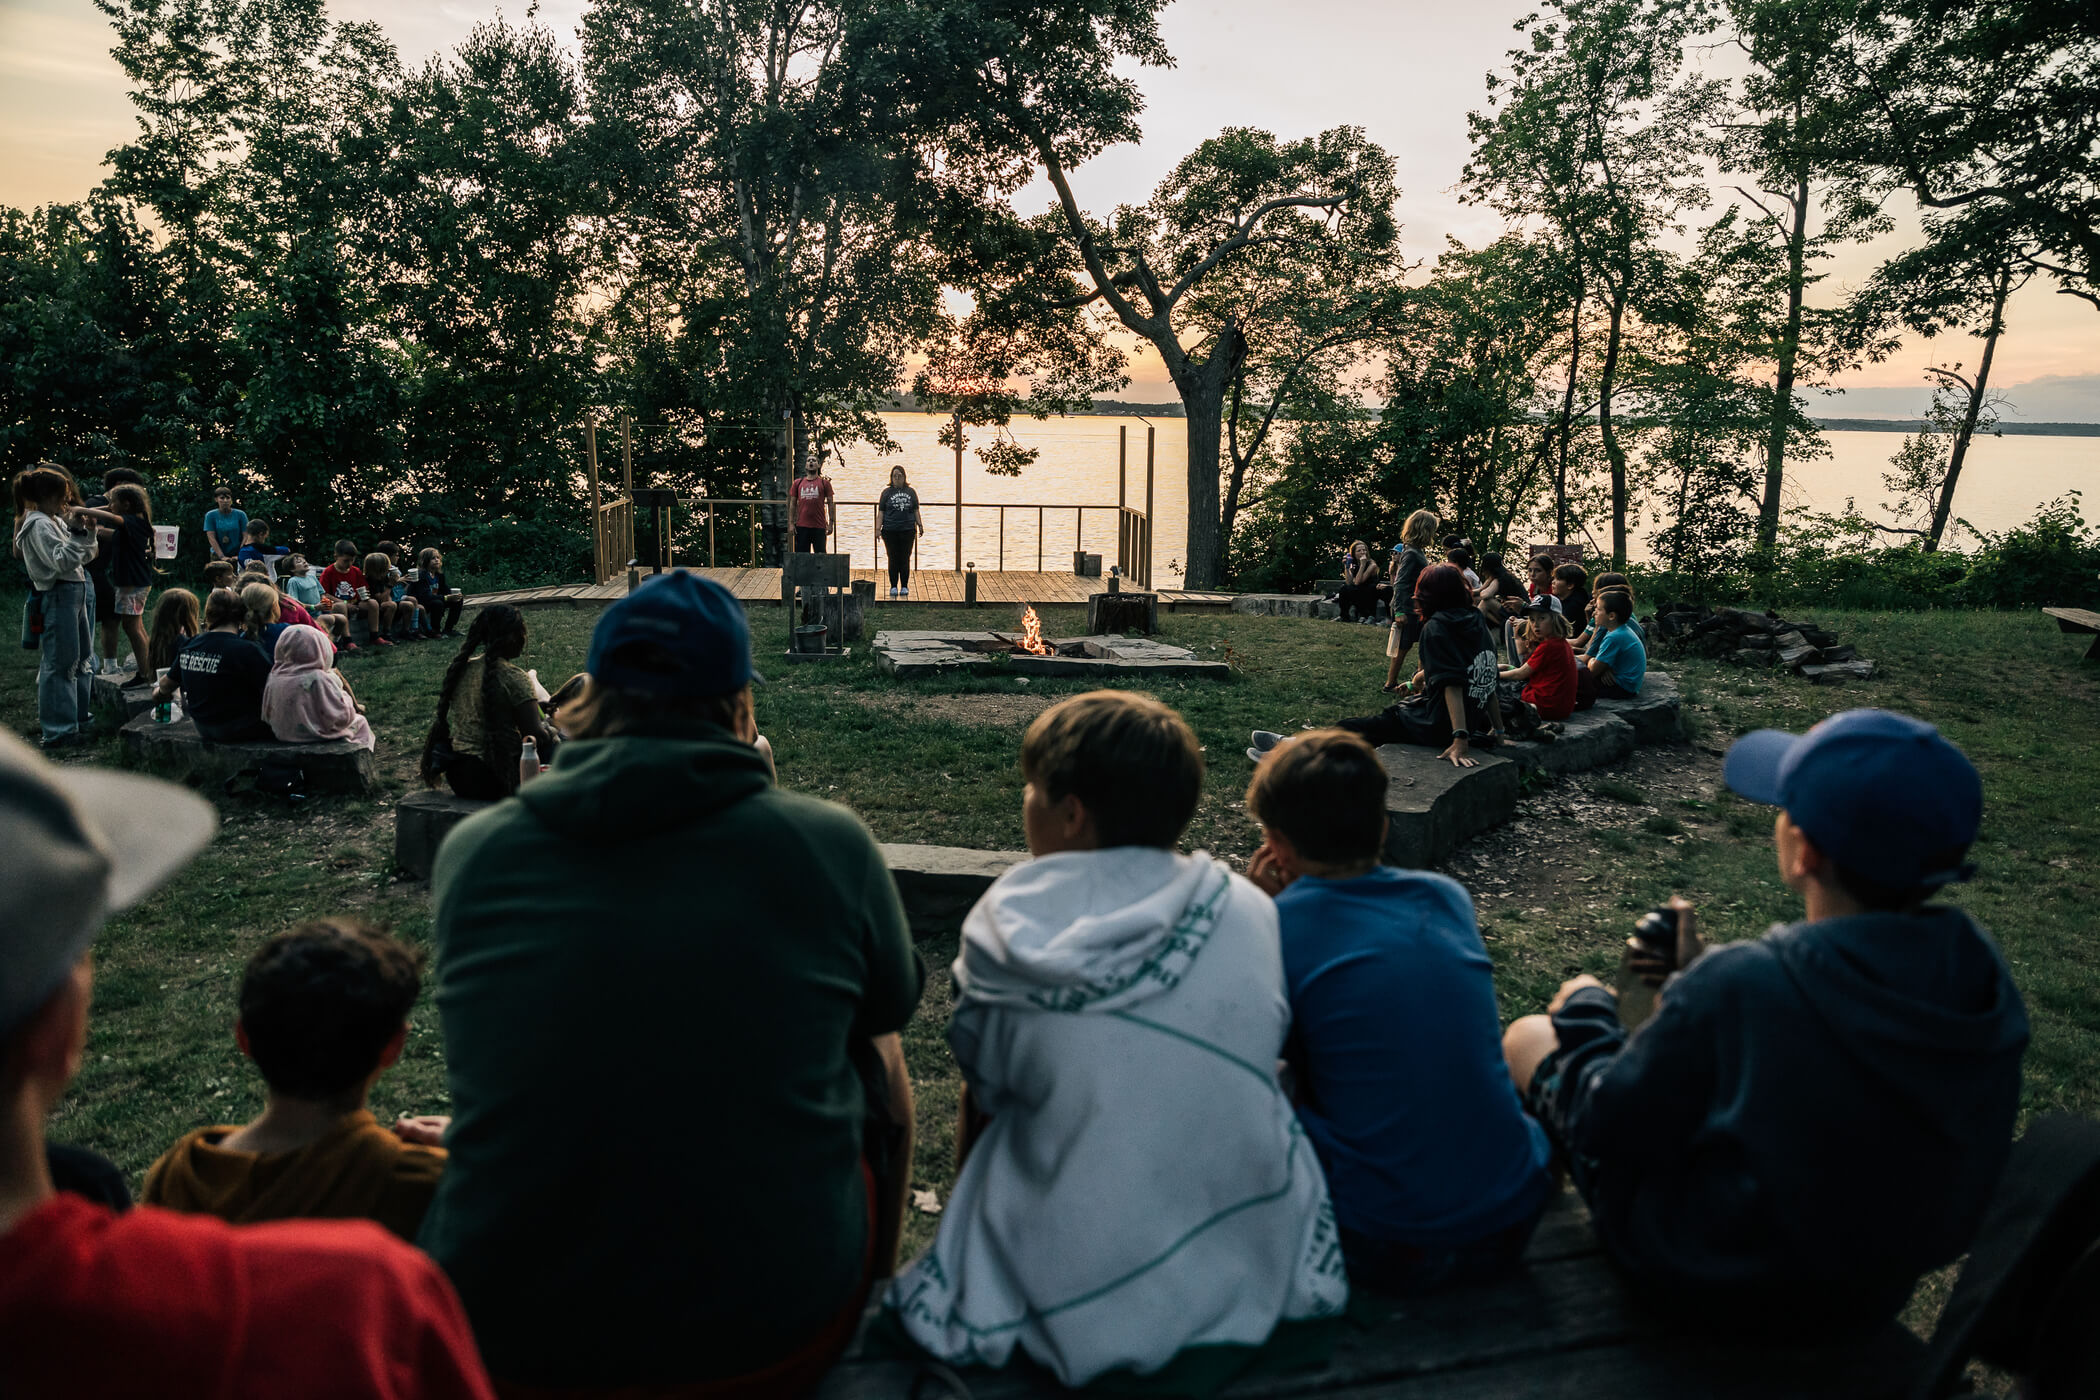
319 1003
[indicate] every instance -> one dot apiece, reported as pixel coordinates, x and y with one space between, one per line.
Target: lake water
2003 481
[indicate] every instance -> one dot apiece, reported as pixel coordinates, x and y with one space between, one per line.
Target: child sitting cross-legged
1617 663
323 1013
1547 677
1140 1189
1437 1173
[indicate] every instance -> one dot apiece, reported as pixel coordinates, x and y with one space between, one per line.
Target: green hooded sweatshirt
651 964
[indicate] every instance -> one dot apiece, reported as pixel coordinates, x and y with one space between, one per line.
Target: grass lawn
934 761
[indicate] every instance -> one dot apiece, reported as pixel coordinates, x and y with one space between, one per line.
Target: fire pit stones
907 654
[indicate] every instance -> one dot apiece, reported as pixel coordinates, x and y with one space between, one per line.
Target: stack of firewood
1746 638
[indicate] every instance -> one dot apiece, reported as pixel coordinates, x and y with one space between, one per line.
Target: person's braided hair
499 631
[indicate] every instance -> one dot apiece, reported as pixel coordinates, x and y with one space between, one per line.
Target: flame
1032 632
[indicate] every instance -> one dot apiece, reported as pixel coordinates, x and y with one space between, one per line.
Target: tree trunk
1202 388
1783 382
773 481
1945 505
1567 416
1615 454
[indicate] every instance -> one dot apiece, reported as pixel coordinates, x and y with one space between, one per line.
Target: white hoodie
1143 1185
50 552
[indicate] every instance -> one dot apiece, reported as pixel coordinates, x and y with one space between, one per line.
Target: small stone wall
180 752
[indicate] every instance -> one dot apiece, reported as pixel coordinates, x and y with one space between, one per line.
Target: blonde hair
259 602
1420 529
1549 622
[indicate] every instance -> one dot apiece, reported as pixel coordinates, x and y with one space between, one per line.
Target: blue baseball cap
678 634
1884 795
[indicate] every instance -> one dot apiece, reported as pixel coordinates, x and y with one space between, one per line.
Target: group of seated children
1199 1107
391 605
244 675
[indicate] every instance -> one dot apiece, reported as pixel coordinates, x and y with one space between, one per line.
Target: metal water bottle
529 762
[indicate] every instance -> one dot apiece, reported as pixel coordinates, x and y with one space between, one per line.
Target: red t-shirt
810 494
288 610
155 1303
342 583
1552 683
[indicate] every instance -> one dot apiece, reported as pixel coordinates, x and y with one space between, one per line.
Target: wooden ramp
1561 1326
929 587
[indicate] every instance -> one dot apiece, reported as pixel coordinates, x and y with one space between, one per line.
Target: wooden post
1150 434
958 489
627 483
590 455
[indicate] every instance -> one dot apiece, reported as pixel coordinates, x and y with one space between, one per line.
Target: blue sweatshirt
1810 1121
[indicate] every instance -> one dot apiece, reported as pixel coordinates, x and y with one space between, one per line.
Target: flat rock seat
1560 1326
1432 807
1588 739
1655 713
122 696
938 884
1285 605
422 821
178 750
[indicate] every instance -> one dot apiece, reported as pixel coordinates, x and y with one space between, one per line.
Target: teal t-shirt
1621 650
228 526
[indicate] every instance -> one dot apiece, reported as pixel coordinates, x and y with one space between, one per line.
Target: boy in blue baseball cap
713 970
1812 1120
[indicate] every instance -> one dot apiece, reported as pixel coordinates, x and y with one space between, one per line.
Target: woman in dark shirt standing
901 526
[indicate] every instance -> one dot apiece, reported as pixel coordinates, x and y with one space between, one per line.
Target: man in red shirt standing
816 513
93 1303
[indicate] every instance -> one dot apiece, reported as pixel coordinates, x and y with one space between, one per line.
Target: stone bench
422 821
178 750
1285 605
1588 739
122 697
1433 807
1655 714
938 884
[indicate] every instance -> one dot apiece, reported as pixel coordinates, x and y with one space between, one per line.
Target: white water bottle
529 762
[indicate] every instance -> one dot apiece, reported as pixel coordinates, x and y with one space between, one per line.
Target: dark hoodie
651 964
1809 1123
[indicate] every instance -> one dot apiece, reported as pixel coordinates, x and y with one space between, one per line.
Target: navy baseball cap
678 634
1884 795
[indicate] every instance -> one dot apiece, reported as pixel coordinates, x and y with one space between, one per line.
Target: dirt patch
992 711
1551 859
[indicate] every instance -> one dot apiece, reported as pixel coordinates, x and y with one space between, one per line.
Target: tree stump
1109 614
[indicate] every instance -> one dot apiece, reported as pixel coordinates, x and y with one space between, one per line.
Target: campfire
1032 632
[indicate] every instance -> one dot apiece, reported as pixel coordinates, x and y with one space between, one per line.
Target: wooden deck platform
929 587
1561 1326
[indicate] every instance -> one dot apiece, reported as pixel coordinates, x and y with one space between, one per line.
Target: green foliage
1845 561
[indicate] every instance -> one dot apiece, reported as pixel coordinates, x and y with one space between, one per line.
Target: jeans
1409 1270
809 539
65 688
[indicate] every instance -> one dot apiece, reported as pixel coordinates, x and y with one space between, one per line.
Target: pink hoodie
304 701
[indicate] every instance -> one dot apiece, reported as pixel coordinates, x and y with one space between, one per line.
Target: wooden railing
1133 553
612 518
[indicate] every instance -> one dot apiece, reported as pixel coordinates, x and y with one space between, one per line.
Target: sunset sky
1406 70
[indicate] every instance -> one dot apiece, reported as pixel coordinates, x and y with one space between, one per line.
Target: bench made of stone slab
422 821
1432 807
1655 714
122 696
178 750
938 884
1588 739
1285 605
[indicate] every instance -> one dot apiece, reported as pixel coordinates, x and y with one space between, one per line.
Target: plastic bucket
810 638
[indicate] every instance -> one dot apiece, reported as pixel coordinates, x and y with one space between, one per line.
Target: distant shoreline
1912 425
